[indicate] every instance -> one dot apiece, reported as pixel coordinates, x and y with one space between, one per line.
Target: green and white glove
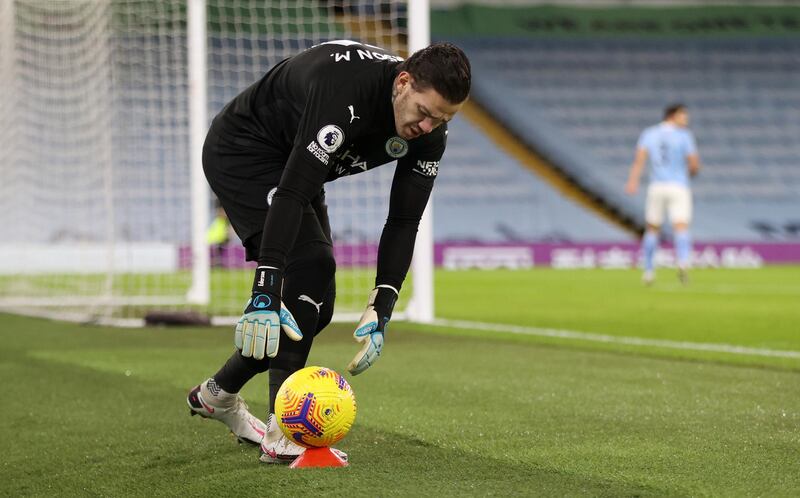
372 327
258 330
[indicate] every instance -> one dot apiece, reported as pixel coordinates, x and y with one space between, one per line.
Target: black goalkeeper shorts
244 182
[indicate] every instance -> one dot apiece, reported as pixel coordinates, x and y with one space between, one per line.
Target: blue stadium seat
582 103
484 195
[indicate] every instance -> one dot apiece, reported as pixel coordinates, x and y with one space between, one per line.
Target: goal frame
105 262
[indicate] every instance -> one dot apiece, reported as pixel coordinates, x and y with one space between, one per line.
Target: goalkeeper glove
258 330
372 327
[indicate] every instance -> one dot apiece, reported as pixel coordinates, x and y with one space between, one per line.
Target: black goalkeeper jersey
323 114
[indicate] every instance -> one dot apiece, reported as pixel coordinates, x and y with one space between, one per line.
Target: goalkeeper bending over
337 109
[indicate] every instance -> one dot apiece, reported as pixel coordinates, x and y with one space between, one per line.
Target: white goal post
420 307
104 104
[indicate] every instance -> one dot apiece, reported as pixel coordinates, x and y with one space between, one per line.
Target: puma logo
353 114
307 299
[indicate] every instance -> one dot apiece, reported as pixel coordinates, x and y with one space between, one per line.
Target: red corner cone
317 457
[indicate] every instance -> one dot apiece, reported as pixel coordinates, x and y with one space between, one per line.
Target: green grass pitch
447 411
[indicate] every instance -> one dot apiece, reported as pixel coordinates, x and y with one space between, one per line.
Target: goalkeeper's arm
409 196
410 193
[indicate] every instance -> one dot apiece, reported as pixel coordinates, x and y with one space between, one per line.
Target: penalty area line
611 339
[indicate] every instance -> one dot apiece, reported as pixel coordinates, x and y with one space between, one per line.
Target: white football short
670 198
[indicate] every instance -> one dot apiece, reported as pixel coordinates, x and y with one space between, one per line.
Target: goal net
100 214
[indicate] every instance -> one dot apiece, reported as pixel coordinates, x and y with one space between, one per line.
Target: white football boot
277 448
648 277
211 401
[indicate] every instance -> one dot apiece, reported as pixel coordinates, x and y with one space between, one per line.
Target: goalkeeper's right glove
258 330
372 326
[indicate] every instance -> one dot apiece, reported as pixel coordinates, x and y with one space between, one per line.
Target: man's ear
403 80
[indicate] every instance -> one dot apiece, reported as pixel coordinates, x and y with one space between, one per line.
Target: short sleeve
642 142
691 145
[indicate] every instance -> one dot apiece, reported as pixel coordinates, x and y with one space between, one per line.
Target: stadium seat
582 103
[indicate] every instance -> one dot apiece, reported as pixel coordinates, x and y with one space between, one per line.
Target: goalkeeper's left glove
258 330
372 326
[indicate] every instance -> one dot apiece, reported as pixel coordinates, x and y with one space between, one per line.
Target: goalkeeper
337 109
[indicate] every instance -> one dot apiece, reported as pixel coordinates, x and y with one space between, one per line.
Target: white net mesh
95 201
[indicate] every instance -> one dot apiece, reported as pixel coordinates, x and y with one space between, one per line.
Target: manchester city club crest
396 147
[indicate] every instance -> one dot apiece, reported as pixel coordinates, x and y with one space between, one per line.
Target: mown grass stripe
629 341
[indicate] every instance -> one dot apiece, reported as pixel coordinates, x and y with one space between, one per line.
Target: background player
670 150
337 109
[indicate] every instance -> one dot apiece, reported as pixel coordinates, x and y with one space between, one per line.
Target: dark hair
442 66
671 109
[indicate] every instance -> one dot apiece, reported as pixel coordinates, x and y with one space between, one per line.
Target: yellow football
315 407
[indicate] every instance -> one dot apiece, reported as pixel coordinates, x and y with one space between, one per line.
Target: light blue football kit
667 146
667 149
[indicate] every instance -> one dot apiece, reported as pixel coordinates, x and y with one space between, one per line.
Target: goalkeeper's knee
308 288
319 266
326 310
313 263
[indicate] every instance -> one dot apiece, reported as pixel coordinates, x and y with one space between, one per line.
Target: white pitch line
610 339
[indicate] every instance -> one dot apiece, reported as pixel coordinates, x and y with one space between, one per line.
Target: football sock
308 293
649 246
276 377
238 370
683 247
326 309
